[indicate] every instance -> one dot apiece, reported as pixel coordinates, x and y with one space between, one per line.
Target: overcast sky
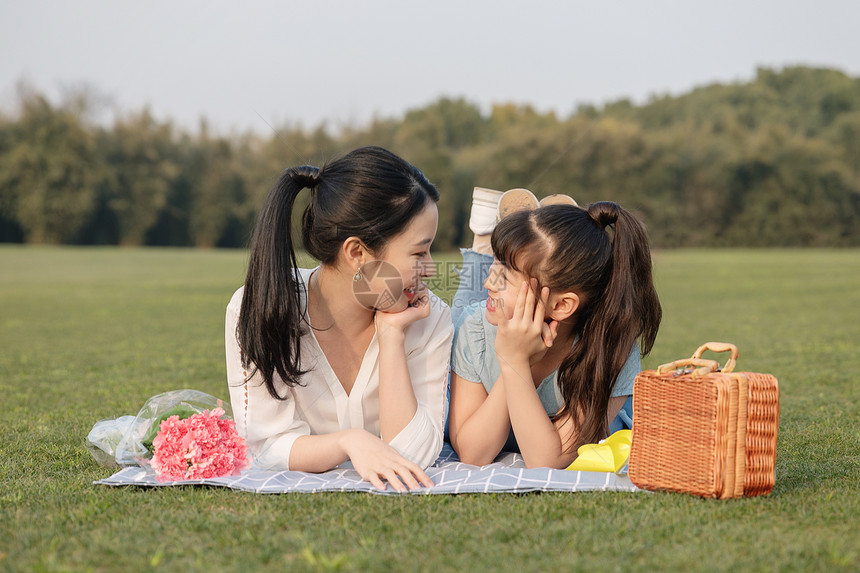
245 65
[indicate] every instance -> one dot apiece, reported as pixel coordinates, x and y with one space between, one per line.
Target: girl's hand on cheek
525 335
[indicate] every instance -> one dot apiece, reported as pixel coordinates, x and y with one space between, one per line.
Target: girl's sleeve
624 382
469 345
427 358
269 426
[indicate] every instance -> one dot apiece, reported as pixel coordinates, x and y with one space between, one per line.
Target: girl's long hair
602 254
369 193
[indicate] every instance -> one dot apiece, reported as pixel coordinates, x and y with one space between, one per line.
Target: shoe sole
515 200
558 199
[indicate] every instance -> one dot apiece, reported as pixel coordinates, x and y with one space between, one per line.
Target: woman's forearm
318 453
397 402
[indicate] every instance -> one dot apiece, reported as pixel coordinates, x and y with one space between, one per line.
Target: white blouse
321 406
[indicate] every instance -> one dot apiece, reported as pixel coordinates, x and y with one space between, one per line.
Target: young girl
349 360
549 362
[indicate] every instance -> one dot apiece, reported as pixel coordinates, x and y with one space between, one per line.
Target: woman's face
392 280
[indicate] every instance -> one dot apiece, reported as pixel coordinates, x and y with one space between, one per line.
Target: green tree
10 230
141 154
430 138
845 135
49 171
790 191
215 187
771 161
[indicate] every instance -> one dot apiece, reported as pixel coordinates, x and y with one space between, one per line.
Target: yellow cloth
608 456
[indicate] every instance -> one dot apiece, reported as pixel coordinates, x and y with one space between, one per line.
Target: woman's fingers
407 478
412 475
424 304
391 477
402 477
422 476
401 473
419 296
373 478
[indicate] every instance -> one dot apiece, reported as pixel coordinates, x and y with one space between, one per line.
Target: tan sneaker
515 200
558 199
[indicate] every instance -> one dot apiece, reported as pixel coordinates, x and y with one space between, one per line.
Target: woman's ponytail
369 193
305 176
270 322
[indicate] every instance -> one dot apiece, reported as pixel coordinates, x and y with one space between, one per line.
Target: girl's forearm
397 402
482 436
537 436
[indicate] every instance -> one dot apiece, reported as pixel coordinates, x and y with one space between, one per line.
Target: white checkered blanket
507 474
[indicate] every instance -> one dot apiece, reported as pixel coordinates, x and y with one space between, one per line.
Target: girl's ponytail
622 308
270 322
630 294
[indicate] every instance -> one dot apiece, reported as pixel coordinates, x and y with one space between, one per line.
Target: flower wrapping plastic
202 446
212 445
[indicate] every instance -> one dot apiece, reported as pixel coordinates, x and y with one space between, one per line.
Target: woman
347 361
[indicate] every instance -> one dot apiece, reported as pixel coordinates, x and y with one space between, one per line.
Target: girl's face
404 264
503 285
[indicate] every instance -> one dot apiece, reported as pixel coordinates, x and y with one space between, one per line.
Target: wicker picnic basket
704 430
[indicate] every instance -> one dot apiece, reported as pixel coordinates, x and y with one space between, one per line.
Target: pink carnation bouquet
201 446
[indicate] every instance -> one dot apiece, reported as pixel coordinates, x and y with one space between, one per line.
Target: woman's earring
357 276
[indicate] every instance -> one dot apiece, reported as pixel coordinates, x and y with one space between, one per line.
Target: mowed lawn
91 333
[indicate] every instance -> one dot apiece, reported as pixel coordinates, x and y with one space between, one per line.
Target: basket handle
720 347
702 366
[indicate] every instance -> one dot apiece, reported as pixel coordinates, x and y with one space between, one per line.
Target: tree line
774 161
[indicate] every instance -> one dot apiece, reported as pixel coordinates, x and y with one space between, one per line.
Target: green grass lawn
91 333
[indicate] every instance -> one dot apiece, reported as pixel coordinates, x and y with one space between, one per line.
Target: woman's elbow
432 453
423 450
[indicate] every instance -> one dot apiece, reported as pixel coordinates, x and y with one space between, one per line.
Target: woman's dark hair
602 254
369 193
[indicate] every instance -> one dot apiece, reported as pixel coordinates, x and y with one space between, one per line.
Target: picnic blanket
507 474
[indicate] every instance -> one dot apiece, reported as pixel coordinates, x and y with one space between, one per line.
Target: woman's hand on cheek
525 335
417 309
